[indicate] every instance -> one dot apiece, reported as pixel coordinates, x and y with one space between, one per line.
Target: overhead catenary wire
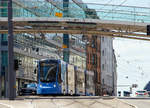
116 7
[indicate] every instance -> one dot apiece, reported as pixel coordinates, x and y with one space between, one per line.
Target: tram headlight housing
54 85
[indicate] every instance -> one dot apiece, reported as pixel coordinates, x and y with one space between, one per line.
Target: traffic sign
58 14
64 46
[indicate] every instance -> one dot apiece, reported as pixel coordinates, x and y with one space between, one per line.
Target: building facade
93 60
108 66
101 59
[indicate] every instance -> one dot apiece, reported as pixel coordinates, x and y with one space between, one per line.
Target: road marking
128 103
6 105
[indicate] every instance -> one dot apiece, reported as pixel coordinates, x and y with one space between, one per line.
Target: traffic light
134 85
148 29
19 62
16 64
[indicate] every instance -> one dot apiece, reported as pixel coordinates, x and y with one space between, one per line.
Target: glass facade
34 8
77 9
4 10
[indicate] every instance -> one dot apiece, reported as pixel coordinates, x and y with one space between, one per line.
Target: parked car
142 93
28 89
148 93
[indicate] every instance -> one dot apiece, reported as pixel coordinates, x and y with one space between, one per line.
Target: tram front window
48 73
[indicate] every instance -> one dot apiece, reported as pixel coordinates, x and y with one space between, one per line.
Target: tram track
69 102
82 104
80 101
63 97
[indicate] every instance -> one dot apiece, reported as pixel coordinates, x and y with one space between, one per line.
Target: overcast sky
133 56
143 3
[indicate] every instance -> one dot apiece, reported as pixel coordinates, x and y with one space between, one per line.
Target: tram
59 78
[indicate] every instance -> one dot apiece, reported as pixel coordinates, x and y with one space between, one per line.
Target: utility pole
11 73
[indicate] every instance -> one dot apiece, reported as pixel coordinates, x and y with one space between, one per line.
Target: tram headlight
54 85
40 85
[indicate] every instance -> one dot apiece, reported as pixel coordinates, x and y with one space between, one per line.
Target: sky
133 56
141 3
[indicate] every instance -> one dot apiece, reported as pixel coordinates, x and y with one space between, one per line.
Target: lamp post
11 91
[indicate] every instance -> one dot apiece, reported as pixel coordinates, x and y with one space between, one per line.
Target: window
103 53
103 66
94 42
59 74
48 72
4 40
103 81
4 58
93 59
102 39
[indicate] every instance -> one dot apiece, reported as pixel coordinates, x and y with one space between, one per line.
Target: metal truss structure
122 29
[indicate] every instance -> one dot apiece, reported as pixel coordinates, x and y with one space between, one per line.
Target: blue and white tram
52 77
58 77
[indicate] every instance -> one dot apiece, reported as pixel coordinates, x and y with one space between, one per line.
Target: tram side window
59 74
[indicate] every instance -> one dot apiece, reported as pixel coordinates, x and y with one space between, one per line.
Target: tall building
101 59
108 66
93 51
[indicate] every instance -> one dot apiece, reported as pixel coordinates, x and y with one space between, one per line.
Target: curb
134 106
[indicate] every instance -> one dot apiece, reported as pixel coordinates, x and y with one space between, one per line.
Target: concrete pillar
0 70
65 36
66 48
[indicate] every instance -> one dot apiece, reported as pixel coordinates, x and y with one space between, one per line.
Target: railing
47 8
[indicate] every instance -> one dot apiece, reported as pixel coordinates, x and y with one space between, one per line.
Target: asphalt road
139 103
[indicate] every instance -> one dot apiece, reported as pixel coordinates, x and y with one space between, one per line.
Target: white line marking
6 105
128 103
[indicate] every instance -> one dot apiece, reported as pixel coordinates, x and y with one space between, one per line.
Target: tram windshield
48 72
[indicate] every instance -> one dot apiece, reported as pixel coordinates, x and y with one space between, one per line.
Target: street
63 102
139 103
